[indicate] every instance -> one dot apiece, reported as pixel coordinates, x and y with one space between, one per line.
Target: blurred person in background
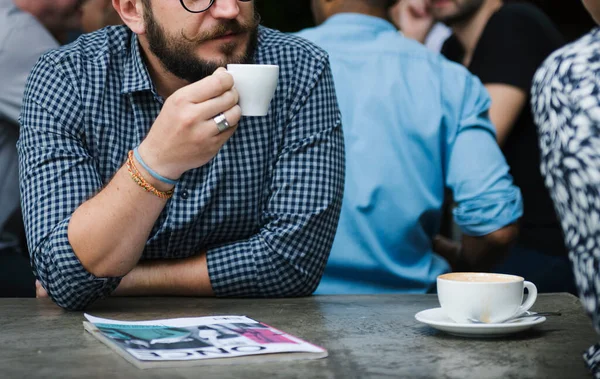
28 28
415 20
414 124
566 104
503 45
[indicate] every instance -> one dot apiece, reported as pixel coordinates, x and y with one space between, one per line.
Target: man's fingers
419 8
40 292
233 117
446 248
221 104
208 88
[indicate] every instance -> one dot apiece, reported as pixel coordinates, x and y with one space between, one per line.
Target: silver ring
221 122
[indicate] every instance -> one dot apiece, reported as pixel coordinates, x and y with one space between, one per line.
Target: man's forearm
177 277
108 232
477 253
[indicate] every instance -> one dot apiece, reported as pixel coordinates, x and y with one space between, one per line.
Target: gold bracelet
140 181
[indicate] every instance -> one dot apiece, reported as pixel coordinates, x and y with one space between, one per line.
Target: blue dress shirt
414 124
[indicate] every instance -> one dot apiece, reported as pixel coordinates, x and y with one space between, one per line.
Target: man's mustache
224 29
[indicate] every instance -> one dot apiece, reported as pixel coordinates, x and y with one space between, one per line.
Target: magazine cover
199 340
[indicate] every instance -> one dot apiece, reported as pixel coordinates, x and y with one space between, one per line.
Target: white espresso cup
485 297
256 84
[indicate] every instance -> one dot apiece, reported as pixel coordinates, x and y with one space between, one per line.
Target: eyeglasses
199 6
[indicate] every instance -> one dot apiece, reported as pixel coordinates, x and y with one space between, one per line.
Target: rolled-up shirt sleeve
57 175
288 255
477 172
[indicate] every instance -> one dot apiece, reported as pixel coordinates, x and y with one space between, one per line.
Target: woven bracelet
140 181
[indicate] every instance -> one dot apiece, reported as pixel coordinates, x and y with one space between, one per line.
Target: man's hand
108 232
184 135
413 18
450 250
477 253
40 292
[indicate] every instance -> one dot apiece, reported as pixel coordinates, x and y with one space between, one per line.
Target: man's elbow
66 292
308 288
302 286
69 303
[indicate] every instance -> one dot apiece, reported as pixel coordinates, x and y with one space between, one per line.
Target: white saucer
437 319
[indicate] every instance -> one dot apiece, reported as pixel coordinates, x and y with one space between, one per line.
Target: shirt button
185 194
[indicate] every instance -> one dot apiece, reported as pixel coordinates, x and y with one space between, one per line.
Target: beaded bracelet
153 173
140 181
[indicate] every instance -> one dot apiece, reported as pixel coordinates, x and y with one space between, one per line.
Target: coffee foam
480 277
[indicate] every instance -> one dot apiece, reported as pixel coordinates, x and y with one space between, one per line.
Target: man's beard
464 13
177 55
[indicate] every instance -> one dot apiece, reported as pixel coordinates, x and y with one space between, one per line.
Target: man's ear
132 14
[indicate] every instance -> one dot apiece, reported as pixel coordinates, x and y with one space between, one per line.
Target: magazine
199 340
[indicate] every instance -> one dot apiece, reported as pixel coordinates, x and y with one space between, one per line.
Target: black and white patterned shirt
265 208
566 103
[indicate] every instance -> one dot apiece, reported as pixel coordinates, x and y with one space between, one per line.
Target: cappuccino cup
256 84
486 297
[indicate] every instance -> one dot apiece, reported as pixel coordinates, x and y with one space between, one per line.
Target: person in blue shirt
414 125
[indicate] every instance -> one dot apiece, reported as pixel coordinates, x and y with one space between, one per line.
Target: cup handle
531 297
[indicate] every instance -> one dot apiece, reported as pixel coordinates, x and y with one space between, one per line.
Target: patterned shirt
566 103
265 208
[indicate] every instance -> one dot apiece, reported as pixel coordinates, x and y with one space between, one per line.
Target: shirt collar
136 77
360 21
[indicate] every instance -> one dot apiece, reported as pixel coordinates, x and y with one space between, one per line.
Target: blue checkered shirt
265 208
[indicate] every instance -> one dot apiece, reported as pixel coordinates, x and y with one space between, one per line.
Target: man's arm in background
507 104
488 203
477 253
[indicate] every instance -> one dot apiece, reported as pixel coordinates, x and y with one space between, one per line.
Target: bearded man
140 177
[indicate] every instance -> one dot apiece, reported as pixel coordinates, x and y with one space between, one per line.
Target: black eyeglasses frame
207 8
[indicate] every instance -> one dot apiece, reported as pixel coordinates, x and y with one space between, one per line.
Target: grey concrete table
366 336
